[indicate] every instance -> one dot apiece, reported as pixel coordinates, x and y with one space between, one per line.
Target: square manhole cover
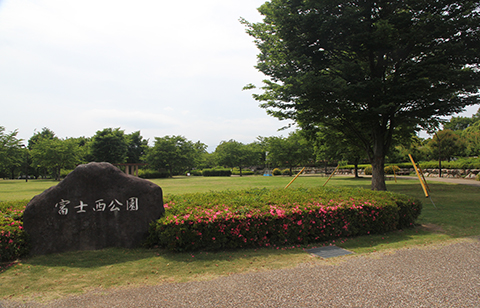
329 251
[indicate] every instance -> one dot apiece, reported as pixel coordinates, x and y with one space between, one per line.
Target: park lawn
44 278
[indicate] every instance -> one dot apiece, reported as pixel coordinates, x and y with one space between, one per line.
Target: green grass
11 190
43 278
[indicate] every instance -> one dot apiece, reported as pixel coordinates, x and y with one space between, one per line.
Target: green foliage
54 154
372 70
175 154
286 172
391 169
195 172
277 171
471 136
368 170
236 171
263 218
136 147
446 144
216 172
152 174
64 173
11 153
109 145
236 154
289 152
462 163
13 239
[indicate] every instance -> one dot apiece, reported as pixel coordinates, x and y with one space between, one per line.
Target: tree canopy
368 69
175 154
236 154
109 145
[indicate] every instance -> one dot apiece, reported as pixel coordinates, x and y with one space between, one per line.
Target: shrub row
13 239
236 171
388 170
152 174
462 163
278 171
216 172
263 218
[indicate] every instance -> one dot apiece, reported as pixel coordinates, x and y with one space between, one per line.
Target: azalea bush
13 239
269 218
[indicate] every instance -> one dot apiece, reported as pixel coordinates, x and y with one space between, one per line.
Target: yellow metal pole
394 174
423 177
331 176
418 174
294 178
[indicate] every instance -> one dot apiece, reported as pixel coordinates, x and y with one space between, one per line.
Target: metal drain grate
328 251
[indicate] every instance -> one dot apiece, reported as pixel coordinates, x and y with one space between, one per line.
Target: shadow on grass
113 256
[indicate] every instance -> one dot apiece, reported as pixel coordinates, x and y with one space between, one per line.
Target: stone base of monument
94 207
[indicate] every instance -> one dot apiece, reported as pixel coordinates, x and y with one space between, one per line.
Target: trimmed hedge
263 218
216 172
14 241
244 172
286 172
194 172
152 174
391 169
462 163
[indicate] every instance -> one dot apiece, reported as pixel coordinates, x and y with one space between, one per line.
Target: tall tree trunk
378 173
378 162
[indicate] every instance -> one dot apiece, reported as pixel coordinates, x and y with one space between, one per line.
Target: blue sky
161 67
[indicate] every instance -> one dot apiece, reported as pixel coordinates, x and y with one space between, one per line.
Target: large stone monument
94 207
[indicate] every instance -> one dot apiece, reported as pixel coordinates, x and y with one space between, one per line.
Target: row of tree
46 155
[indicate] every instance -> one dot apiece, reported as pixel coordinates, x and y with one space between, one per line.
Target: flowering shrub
263 218
13 239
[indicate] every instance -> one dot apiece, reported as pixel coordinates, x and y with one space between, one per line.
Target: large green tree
368 69
233 153
11 154
175 154
55 154
291 151
109 145
136 147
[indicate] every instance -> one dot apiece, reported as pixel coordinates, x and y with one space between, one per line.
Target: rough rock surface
94 207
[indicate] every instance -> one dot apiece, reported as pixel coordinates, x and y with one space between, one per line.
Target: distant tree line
45 155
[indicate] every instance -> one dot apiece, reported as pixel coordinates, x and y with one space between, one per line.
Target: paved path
436 276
